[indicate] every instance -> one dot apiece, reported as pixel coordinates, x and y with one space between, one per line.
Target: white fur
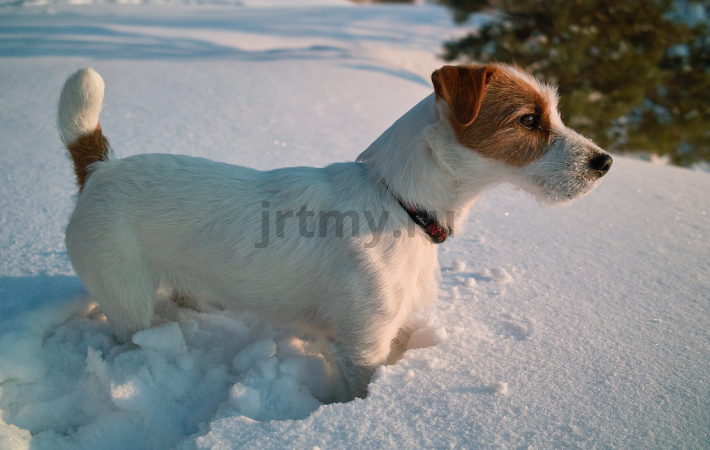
192 225
80 104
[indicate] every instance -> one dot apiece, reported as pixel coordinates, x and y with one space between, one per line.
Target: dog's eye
529 120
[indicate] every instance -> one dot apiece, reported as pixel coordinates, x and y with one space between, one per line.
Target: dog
197 227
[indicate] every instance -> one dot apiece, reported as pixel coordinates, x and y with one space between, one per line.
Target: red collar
436 232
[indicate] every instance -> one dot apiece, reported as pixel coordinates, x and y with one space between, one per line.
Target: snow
578 327
458 266
167 338
426 337
497 274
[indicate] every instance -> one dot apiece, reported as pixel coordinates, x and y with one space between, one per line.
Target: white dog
347 249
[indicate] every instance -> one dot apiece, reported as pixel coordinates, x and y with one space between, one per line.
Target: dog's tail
78 120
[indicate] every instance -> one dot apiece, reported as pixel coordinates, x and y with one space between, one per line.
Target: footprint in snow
498 274
514 327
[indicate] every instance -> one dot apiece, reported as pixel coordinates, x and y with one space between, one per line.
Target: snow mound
189 368
458 266
166 337
426 337
254 352
499 388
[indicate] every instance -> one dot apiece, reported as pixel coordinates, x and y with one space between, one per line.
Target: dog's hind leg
117 276
127 300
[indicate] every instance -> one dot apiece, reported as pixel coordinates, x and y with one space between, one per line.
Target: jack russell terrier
200 229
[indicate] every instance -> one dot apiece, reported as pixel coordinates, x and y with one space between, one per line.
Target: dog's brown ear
461 87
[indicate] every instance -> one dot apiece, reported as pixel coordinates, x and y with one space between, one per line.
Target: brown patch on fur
462 88
86 150
496 133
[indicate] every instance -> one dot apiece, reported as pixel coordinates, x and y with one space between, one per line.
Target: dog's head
506 118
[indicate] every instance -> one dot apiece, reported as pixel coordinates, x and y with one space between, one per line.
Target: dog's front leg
354 372
360 350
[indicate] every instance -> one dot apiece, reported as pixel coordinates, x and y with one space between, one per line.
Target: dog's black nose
601 163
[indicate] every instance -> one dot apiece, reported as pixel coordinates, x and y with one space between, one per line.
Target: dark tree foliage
634 75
